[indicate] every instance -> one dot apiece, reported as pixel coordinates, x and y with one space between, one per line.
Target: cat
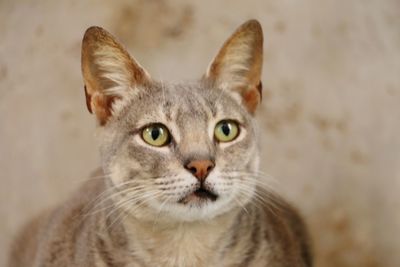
179 183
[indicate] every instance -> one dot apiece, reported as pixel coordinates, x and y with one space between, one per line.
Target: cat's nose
200 168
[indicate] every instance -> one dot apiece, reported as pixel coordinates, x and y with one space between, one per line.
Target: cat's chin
199 197
197 208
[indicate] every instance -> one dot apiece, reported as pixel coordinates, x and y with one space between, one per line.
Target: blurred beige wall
330 116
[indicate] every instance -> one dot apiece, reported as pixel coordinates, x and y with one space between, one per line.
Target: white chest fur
178 244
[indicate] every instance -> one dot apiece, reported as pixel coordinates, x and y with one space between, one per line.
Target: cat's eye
156 135
226 131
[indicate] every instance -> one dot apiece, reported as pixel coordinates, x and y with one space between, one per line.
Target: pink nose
200 168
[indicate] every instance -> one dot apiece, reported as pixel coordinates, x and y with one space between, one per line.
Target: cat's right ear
109 72
238 65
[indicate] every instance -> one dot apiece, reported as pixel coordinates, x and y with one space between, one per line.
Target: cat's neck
178 243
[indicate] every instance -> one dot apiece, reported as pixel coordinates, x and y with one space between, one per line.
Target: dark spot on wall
307 189
272 124
325 124
338 241
39 31
66 115
73 132
266 94
146 24
316 31
292 154
391 90
321 123
292 113
342 28
177 29
392 20
280 26
277 119
3 72
75 48
326 143
358 157
341 126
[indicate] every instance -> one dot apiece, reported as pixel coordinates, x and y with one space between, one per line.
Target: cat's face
184 151
191 115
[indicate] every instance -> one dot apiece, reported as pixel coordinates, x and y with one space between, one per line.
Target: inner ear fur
109 72
238 64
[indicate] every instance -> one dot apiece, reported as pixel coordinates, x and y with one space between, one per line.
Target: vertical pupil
226 129
155 133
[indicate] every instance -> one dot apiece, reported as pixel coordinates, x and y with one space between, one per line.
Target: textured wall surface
330 116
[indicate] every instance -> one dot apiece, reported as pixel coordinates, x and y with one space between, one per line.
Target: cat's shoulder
286 224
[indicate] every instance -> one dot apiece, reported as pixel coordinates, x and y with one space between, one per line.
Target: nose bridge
198 155
195 142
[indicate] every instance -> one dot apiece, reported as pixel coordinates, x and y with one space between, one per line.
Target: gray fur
190 111
131 213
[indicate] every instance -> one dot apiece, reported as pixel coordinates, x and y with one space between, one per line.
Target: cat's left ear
238 64
110 74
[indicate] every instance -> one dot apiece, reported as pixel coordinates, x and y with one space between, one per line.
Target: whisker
112 197
105 195
255 174
241 205
254 186
112 189
128 202
270 198
90 178
260 200
253 180
159 212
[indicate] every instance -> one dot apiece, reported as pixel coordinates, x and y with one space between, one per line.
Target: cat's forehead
188 99
185 105
194 100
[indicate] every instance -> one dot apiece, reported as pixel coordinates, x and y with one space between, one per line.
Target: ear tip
93 30
252 24
252 27
94 33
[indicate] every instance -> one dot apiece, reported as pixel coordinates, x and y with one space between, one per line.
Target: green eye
226 131
156 135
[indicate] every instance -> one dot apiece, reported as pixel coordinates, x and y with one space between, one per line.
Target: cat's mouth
199 195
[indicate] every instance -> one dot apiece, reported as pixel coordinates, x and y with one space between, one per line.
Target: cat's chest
185 250
182 247
194 251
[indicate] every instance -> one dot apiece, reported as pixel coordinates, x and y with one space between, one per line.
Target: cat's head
184 151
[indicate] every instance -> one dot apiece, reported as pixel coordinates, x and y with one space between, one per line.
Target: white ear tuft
109 73
238 64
